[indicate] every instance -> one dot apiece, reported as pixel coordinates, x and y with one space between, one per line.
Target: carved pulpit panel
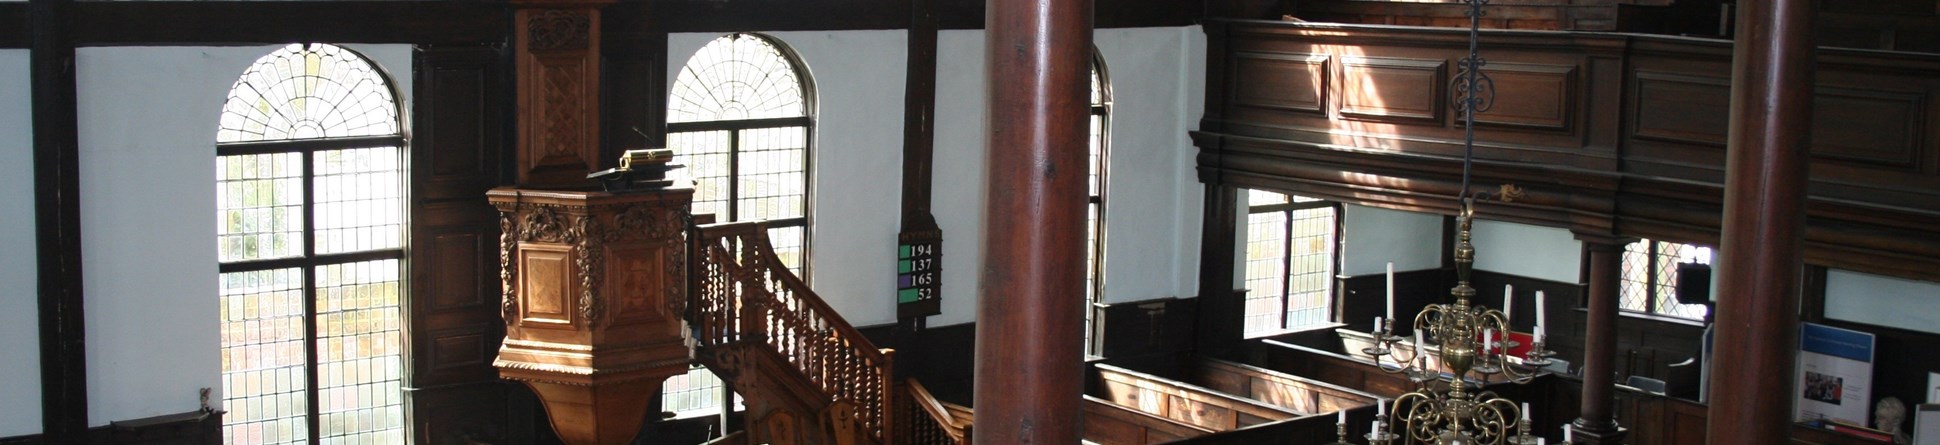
594 286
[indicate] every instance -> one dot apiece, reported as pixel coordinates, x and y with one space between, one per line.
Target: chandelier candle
1509 302
1541 320
1390 290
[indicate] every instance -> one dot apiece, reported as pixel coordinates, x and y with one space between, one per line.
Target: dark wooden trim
1219 306
57 217
18 32
355 21
744 124
919 116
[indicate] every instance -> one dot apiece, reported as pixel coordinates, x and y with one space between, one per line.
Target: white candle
1342 417
1377 327
1567 434
1539 334
1508 302
1390 289
1488 341
1418 349
1542 441
1525 412
1542 312
1381 407
1374 427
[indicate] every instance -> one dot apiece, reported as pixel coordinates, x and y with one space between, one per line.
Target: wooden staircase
806 375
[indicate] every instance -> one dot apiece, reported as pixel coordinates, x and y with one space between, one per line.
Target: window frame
726 400
1286 260
308 260
734 128
1654 260
1095 202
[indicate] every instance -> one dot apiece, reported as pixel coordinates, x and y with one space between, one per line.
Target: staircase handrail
744 293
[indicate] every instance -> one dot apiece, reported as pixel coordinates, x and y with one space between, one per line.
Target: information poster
1835 380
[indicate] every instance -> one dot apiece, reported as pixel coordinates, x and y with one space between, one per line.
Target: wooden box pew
1299 394
1184 402
1107 423
1312 429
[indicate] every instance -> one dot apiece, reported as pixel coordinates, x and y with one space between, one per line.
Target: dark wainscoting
1154 335
942 357
190 428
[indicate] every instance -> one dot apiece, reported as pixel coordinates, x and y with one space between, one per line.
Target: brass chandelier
1472 340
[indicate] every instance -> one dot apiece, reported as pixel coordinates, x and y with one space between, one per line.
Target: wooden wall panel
1869 127
1393 89
1289 82
1543 96
1681 108
457 150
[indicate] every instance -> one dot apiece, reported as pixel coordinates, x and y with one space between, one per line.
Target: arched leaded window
1100 143
310 236
739 117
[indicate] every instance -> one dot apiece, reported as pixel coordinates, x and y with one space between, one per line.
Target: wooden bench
1299 394
1184 402
1110 424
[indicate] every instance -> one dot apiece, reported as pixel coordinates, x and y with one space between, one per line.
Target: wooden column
57 223
1029 372
1598 426
1764 222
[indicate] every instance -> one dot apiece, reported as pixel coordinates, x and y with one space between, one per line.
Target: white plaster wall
1531 251
1881 300
147 126
1151 163
1375 237
1156 75
957 185
19 307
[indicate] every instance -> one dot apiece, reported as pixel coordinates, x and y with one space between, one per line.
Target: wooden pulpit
595 284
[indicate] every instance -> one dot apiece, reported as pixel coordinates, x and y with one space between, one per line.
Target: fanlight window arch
308 92
310 236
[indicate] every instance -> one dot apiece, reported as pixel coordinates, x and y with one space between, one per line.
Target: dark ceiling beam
723 16
234 23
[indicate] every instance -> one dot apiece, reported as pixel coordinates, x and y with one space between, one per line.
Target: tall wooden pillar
57 223
1764 221
1598 426
1030 363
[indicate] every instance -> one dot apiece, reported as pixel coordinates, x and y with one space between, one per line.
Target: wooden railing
744 295
930 421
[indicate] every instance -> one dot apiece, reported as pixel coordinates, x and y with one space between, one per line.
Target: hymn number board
919 273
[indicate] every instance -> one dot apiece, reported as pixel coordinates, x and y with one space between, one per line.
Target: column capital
1595 241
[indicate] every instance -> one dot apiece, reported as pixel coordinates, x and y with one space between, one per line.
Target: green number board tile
903 266
906 295
902 251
